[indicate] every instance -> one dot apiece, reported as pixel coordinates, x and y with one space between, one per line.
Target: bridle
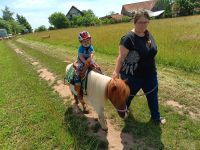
123 110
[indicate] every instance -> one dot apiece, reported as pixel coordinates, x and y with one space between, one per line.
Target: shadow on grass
145 134
84 134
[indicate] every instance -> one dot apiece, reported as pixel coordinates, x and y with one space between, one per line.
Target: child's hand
87 63
89 59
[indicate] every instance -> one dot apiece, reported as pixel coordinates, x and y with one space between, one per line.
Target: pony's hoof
86 111
106 129
123 115
103 124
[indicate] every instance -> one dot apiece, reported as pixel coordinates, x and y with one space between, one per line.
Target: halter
122 110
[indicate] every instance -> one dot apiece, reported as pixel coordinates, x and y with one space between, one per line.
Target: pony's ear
116 78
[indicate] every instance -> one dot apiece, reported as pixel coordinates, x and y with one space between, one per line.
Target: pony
100 88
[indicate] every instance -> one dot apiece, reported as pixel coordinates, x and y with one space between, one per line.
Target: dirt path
117 140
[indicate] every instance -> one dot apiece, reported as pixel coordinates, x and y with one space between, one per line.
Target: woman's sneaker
160 121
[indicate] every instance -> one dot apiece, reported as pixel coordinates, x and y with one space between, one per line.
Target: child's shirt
85 52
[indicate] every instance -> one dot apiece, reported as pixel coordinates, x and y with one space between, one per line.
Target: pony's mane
97 87
118 92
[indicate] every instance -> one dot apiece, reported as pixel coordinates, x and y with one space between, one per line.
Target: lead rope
147 93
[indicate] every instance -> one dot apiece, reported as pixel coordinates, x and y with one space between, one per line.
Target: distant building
73 12
149 6
114 17
3 33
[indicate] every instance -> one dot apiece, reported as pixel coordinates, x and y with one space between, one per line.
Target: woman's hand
115 75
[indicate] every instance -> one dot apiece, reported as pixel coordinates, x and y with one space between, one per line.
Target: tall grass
177 40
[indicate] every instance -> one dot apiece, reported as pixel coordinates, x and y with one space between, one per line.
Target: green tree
106 21
22 21
59 20
185 7
126 19
5 25
89 18
15 27
41 28
166 5
196 6
7 14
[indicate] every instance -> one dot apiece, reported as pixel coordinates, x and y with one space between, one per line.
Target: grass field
177 40
182 132
138 123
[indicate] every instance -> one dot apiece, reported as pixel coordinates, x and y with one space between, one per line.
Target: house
73 12
114 17
149 6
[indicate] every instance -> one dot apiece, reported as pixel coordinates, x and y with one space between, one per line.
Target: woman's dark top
140 59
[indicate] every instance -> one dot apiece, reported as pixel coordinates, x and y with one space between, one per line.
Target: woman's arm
123 52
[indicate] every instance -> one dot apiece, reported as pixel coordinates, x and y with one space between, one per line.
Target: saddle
69 76
86 68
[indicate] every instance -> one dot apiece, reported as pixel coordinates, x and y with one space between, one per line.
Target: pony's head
118 92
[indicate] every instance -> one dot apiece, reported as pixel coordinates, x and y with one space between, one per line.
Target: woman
136 63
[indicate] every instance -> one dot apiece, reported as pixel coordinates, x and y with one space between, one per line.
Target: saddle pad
69 75
69 78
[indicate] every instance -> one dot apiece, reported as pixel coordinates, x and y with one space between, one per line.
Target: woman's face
141 24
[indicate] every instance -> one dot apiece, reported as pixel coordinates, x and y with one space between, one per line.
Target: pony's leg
85 108
77 87
76 99
102 119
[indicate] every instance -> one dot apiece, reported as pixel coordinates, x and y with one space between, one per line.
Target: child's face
86 43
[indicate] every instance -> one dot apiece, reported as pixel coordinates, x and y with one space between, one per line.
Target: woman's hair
139 14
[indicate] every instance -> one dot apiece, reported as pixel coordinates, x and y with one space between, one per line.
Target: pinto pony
100 88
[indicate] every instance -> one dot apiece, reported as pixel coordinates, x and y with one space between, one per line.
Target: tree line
14 26
58 20
175 8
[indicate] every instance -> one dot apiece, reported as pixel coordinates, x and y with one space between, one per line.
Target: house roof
113 16
117 16
73 7
148 5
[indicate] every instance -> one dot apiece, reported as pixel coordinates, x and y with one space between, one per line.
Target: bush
59 20
5 25
41 28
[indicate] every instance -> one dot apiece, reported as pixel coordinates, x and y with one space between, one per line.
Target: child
85 55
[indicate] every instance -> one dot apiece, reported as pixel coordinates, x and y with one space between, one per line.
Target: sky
37 11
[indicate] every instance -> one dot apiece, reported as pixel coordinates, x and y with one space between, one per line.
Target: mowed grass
177 40
180 132
32 116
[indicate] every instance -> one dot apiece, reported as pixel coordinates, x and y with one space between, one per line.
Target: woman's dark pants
147 84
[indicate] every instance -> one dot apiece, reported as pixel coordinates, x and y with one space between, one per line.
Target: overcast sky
38 11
